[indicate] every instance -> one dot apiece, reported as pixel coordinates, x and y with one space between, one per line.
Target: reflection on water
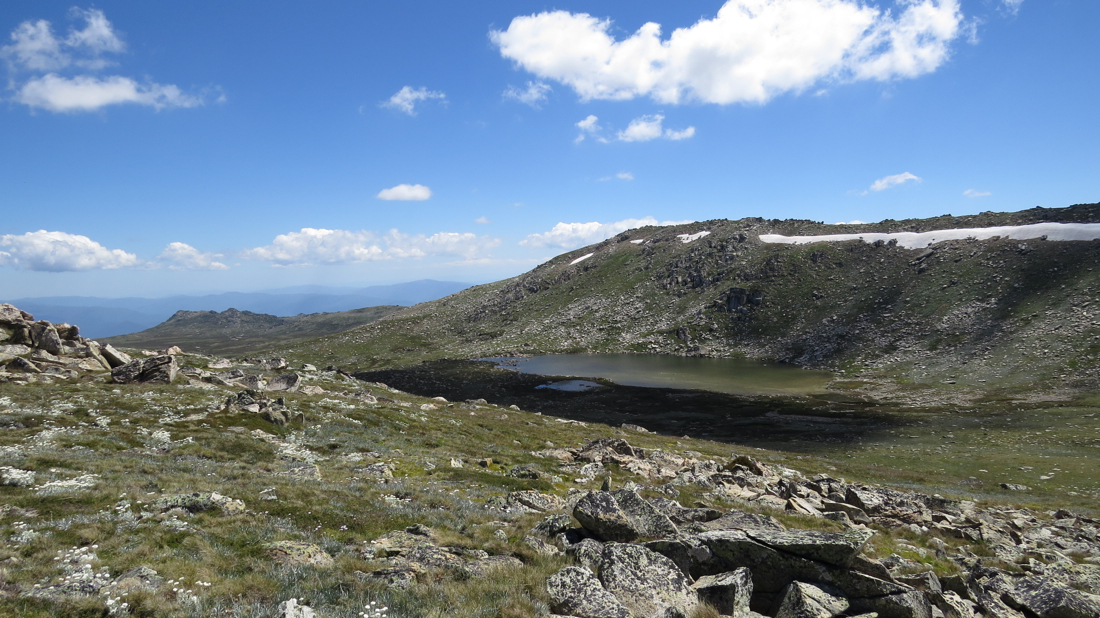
575 386
722 375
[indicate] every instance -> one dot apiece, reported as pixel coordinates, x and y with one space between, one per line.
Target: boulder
645 582
113 357
729 593
9 314
532 500
912 604
289 382
802 600
155 370
296 553
576 592
138 579
44 337
197 502
646 519
836 549
485 566
15 349
67 332
274 364
601 515
21 364
622 515
1047 598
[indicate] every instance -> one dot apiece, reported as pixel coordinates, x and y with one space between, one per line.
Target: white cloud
60 252
320 246
751 51
482 221
620 176
405 193
974 193
573 235
405 100
86 93
892 181
182 256
36 49
648 128
534 94
589 127
1012 6
642 129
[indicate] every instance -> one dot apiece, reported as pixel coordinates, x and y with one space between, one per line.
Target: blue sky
154 148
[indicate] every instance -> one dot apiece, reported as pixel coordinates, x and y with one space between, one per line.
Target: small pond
723 375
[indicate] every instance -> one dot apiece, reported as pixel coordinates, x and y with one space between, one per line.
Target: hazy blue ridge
108 317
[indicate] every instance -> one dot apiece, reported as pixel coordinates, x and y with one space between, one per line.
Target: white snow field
581 258
919 240
686 238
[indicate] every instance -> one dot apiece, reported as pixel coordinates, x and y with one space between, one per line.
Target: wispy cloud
312 246
482 221
61 252
182 256
974 193
406 193
405 100
36 50
892 181
534 94
751 51
573 235
619 176
1012 6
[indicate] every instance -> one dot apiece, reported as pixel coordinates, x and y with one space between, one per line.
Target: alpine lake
966 450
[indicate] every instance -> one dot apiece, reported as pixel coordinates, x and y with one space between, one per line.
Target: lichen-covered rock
729 592
138 579
601 515
44 337
645 582
837 549
289 382
645 518
10 314
553 525
535 501
808 601
1047 598
912 604
485 566
296 553
198 502
576 592
155 370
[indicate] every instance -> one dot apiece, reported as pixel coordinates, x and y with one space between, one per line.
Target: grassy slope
989 315
233 332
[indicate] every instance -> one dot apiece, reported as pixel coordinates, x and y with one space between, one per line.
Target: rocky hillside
193 486
958 315
241 332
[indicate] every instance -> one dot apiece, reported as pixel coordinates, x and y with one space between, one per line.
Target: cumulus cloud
405 193
534 94
589 127
974 193
648 128
182 256
321 246
35 49
751 51
87 93
482 221
60 252
405 100
573 235
892 181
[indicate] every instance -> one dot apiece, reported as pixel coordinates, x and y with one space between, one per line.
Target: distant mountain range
107 317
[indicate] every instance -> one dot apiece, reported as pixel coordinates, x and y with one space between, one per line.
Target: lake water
723 375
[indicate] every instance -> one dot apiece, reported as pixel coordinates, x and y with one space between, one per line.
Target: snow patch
686 238
918 240
637 242
581 258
